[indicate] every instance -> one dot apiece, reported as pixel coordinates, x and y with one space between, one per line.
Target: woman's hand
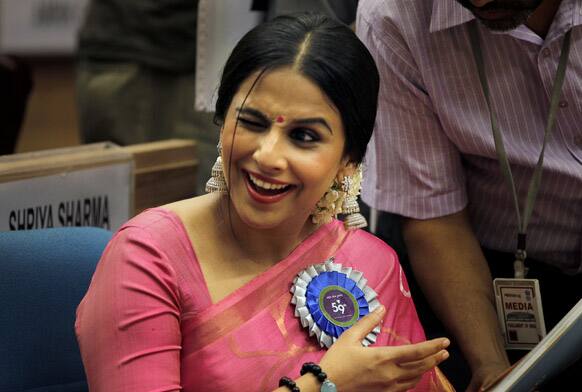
353 367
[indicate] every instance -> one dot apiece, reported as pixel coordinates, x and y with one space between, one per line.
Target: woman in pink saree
197 295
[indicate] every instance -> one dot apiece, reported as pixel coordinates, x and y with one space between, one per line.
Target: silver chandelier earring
351 186
217 182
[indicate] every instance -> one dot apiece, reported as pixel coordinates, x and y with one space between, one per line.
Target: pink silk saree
150 325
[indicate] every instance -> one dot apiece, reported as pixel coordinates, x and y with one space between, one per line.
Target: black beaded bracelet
315 369
287 382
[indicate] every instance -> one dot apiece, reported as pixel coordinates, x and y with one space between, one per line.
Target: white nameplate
99 196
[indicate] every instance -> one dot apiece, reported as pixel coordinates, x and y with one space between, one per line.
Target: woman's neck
264 246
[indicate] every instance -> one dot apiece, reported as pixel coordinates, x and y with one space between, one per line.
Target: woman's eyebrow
253 112
313 120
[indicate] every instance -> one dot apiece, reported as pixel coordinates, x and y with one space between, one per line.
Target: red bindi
280 119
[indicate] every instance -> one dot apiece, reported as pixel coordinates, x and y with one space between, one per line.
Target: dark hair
325 51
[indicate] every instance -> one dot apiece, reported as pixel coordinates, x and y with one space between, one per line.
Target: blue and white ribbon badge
330 298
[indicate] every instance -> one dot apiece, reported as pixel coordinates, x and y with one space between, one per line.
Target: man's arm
450 267
415 169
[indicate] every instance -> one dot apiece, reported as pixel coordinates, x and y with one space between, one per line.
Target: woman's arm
128 324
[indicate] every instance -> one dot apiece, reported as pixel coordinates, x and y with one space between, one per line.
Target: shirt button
546 52
563 104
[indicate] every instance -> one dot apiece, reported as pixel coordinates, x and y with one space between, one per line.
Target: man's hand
485 376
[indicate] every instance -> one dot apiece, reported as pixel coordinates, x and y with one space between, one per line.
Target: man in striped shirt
433 161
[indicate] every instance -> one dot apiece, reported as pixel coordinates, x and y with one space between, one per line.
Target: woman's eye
304 135
252 124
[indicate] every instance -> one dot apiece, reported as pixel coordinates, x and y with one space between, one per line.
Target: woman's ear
347 170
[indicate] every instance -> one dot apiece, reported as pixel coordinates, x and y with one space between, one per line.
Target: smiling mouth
265 188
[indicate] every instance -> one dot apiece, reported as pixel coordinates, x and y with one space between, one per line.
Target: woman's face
286 151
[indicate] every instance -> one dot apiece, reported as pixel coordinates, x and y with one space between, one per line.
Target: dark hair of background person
15 88
335 60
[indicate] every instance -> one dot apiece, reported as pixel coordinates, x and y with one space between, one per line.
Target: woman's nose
270 152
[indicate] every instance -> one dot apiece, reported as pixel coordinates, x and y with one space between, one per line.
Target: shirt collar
449 13
568 15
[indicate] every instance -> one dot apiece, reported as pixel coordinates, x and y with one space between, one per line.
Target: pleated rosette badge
330 298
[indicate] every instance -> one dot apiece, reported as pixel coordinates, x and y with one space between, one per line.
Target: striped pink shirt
432 152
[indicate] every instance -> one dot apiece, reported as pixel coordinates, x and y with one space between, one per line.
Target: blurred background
39 39
123 71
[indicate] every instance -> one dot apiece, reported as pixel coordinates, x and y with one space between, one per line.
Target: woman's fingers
364 326
418 368
416 352
409 374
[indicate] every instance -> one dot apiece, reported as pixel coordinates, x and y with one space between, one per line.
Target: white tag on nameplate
519 309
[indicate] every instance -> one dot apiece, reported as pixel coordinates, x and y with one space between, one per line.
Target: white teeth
266 185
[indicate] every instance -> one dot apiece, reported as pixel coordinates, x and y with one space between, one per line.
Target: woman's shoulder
169 219
370 255
158 229
176 230
368 243
196 215
152 223
153 247
145 237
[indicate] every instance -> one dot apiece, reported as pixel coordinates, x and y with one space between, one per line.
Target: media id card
519 309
